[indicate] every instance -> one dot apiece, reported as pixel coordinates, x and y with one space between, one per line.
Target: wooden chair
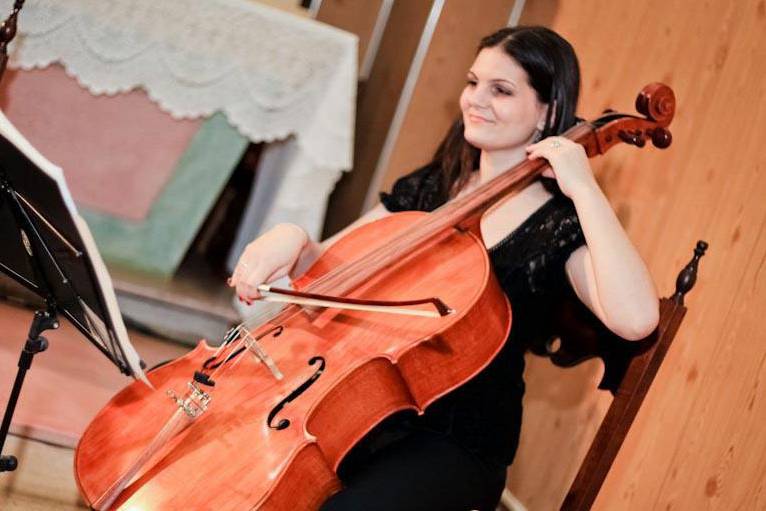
630 368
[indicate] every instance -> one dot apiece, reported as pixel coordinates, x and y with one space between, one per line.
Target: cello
268 416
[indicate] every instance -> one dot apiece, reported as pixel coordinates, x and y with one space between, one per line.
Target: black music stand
46 247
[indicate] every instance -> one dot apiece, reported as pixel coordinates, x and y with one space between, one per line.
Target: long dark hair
554 73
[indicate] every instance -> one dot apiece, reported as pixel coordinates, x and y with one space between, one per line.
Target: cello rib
377 364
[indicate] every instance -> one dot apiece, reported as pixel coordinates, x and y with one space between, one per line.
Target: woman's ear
547 116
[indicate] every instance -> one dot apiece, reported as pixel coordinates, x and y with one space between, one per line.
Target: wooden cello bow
268 431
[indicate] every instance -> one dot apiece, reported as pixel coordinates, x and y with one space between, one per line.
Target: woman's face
500 108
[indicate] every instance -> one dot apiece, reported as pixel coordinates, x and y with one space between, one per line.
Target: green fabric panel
157 245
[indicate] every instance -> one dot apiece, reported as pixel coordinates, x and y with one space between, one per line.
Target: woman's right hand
267 258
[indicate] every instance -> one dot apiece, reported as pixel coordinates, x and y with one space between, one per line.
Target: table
276 77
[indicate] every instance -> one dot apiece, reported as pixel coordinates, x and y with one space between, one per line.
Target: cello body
373 365
275 444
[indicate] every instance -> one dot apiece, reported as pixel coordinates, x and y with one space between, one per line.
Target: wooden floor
44 480
66 385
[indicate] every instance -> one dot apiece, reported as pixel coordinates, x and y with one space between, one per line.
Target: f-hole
284 423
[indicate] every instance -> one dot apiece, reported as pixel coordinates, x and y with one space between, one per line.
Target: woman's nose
477 97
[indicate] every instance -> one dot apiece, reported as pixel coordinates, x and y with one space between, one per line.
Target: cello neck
462 213
656 102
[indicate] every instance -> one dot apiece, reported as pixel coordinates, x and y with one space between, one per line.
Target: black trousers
423 471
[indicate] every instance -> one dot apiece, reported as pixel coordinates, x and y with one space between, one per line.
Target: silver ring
555 144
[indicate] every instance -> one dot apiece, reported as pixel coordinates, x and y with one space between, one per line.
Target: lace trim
271 73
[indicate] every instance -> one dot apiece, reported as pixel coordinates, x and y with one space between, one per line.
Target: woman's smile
477 119
501 110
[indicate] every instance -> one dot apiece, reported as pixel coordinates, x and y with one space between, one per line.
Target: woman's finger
548 172
278 273
247 285
240 270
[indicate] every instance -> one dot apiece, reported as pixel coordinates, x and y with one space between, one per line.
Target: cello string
373 259
446 214
403 243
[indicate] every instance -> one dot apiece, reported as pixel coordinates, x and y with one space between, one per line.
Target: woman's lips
478 119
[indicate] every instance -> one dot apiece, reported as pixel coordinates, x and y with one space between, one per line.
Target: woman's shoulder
420 190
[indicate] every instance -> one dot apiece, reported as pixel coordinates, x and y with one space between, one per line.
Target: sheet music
99 330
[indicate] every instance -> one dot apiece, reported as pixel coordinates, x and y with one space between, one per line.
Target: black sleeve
537 282
531 263
420 190
561 230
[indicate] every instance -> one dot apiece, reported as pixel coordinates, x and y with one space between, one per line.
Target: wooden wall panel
698 441
434 102
376 103
356 17
562 411
432 106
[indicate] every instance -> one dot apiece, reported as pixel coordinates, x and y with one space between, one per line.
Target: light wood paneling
562 412
43 481
377 100
434 103
698 441
355 17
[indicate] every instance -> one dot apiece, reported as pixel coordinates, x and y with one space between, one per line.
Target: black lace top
484 415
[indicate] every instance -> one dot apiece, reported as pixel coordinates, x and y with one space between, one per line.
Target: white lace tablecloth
275 76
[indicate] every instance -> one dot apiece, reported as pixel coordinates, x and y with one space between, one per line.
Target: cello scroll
656 102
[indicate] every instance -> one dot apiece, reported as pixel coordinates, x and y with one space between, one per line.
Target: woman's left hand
569 164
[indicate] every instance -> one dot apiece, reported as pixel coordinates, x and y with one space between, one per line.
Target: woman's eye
470 82
502 90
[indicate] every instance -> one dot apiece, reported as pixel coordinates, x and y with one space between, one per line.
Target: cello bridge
257 350
194 403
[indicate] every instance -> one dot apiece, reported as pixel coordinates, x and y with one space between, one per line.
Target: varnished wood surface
628 398
562 412
376 365
698 440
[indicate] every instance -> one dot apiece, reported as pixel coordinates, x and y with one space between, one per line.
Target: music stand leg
43 320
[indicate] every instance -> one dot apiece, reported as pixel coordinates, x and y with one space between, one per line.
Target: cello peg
661 138
639 139
630 137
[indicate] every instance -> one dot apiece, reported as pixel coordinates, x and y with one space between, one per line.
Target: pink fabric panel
117 152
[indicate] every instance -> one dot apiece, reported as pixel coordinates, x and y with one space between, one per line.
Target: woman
560 231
